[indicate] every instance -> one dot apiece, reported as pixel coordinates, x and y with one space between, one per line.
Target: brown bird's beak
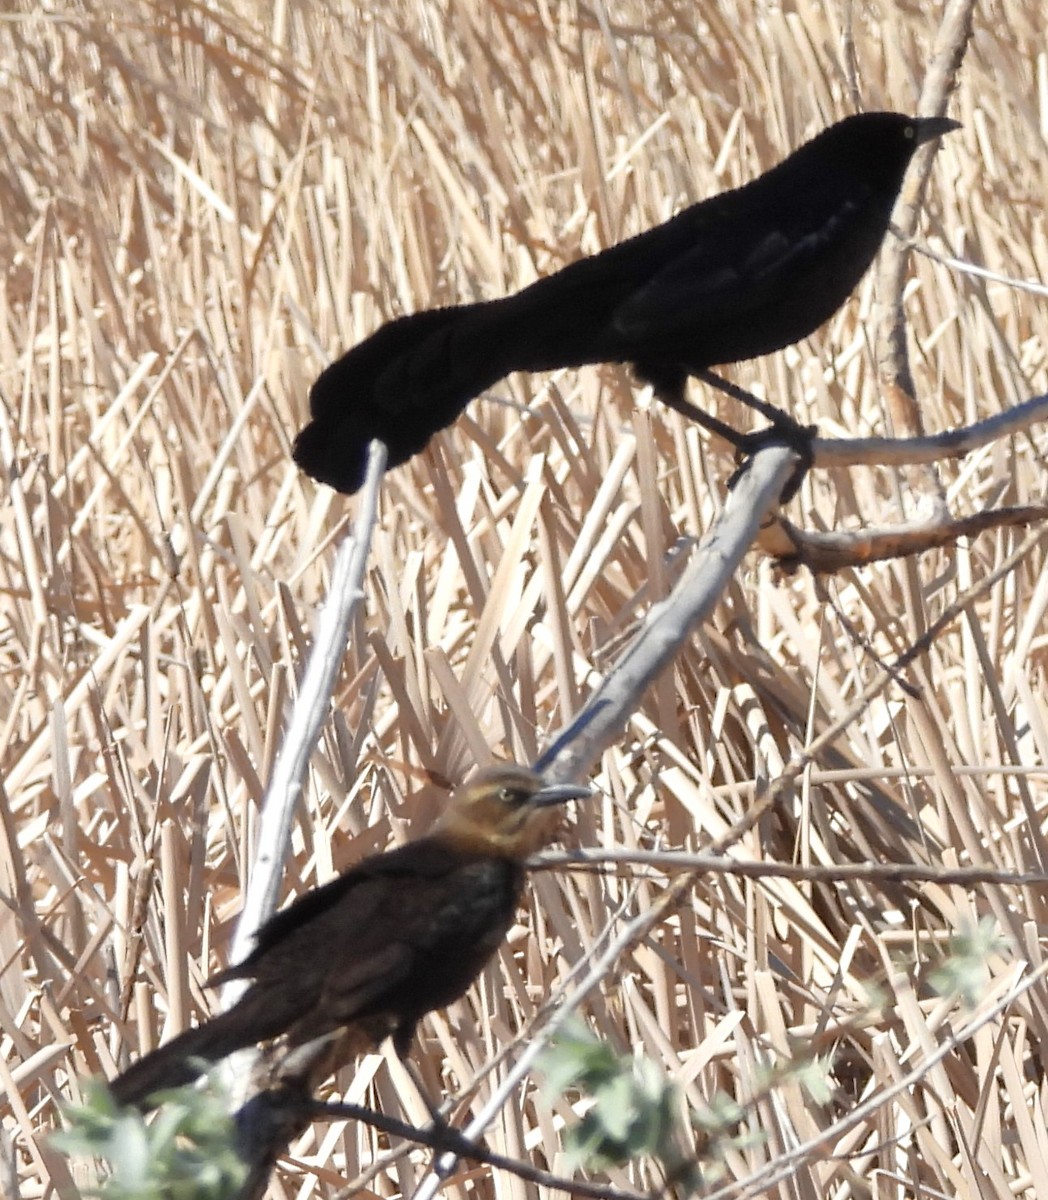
560 793
929 128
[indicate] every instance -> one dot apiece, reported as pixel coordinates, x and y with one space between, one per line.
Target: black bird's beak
929 128
560 793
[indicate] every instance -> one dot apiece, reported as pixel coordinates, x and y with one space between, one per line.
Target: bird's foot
446 1138
785 432
439 1135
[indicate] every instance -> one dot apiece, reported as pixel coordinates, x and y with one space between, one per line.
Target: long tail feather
188 1055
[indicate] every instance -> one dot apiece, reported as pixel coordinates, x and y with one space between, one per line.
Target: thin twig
446 1138
966 267
675 861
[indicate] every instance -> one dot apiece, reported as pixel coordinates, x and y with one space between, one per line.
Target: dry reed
200 206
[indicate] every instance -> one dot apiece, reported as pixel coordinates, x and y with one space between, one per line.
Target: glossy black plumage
734 277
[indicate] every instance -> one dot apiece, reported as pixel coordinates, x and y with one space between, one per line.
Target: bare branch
675 861
952 443
954 33
446 1138
842 549
267 1123
600 722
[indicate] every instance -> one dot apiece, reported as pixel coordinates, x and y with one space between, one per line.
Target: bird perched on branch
373 951
734 277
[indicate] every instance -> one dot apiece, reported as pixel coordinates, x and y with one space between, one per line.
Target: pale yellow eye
513 797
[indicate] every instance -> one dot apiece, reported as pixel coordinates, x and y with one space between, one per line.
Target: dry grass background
199 208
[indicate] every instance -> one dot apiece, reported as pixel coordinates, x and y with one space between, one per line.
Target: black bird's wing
726 275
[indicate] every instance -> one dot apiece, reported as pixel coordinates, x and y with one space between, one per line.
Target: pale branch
345 592
952 443
264 1124
953 35
600 721
672 862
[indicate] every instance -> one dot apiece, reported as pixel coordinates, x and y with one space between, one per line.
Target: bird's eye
509 795
909 132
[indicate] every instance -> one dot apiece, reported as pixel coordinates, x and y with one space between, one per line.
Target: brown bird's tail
187 1056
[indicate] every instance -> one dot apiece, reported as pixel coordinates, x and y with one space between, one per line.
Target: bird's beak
560 793
929 128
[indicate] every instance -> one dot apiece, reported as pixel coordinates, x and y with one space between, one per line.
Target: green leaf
633 1103
184 1151
963 972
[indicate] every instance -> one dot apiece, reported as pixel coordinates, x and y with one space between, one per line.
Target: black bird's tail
411 378
187 1056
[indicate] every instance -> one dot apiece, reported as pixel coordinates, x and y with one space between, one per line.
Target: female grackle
373 951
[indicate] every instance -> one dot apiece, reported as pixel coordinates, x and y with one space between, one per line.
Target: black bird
734 277
373 951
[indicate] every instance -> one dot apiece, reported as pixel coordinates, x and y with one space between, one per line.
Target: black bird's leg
777 416
669 388
668 384
784 429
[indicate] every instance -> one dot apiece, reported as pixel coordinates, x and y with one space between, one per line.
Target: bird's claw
793 434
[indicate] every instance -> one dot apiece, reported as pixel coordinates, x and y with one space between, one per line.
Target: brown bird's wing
354 995
356 896
404 932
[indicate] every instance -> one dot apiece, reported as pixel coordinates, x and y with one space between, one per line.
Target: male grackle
734 277
373 951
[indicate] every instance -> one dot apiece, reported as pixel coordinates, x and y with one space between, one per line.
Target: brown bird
373 951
